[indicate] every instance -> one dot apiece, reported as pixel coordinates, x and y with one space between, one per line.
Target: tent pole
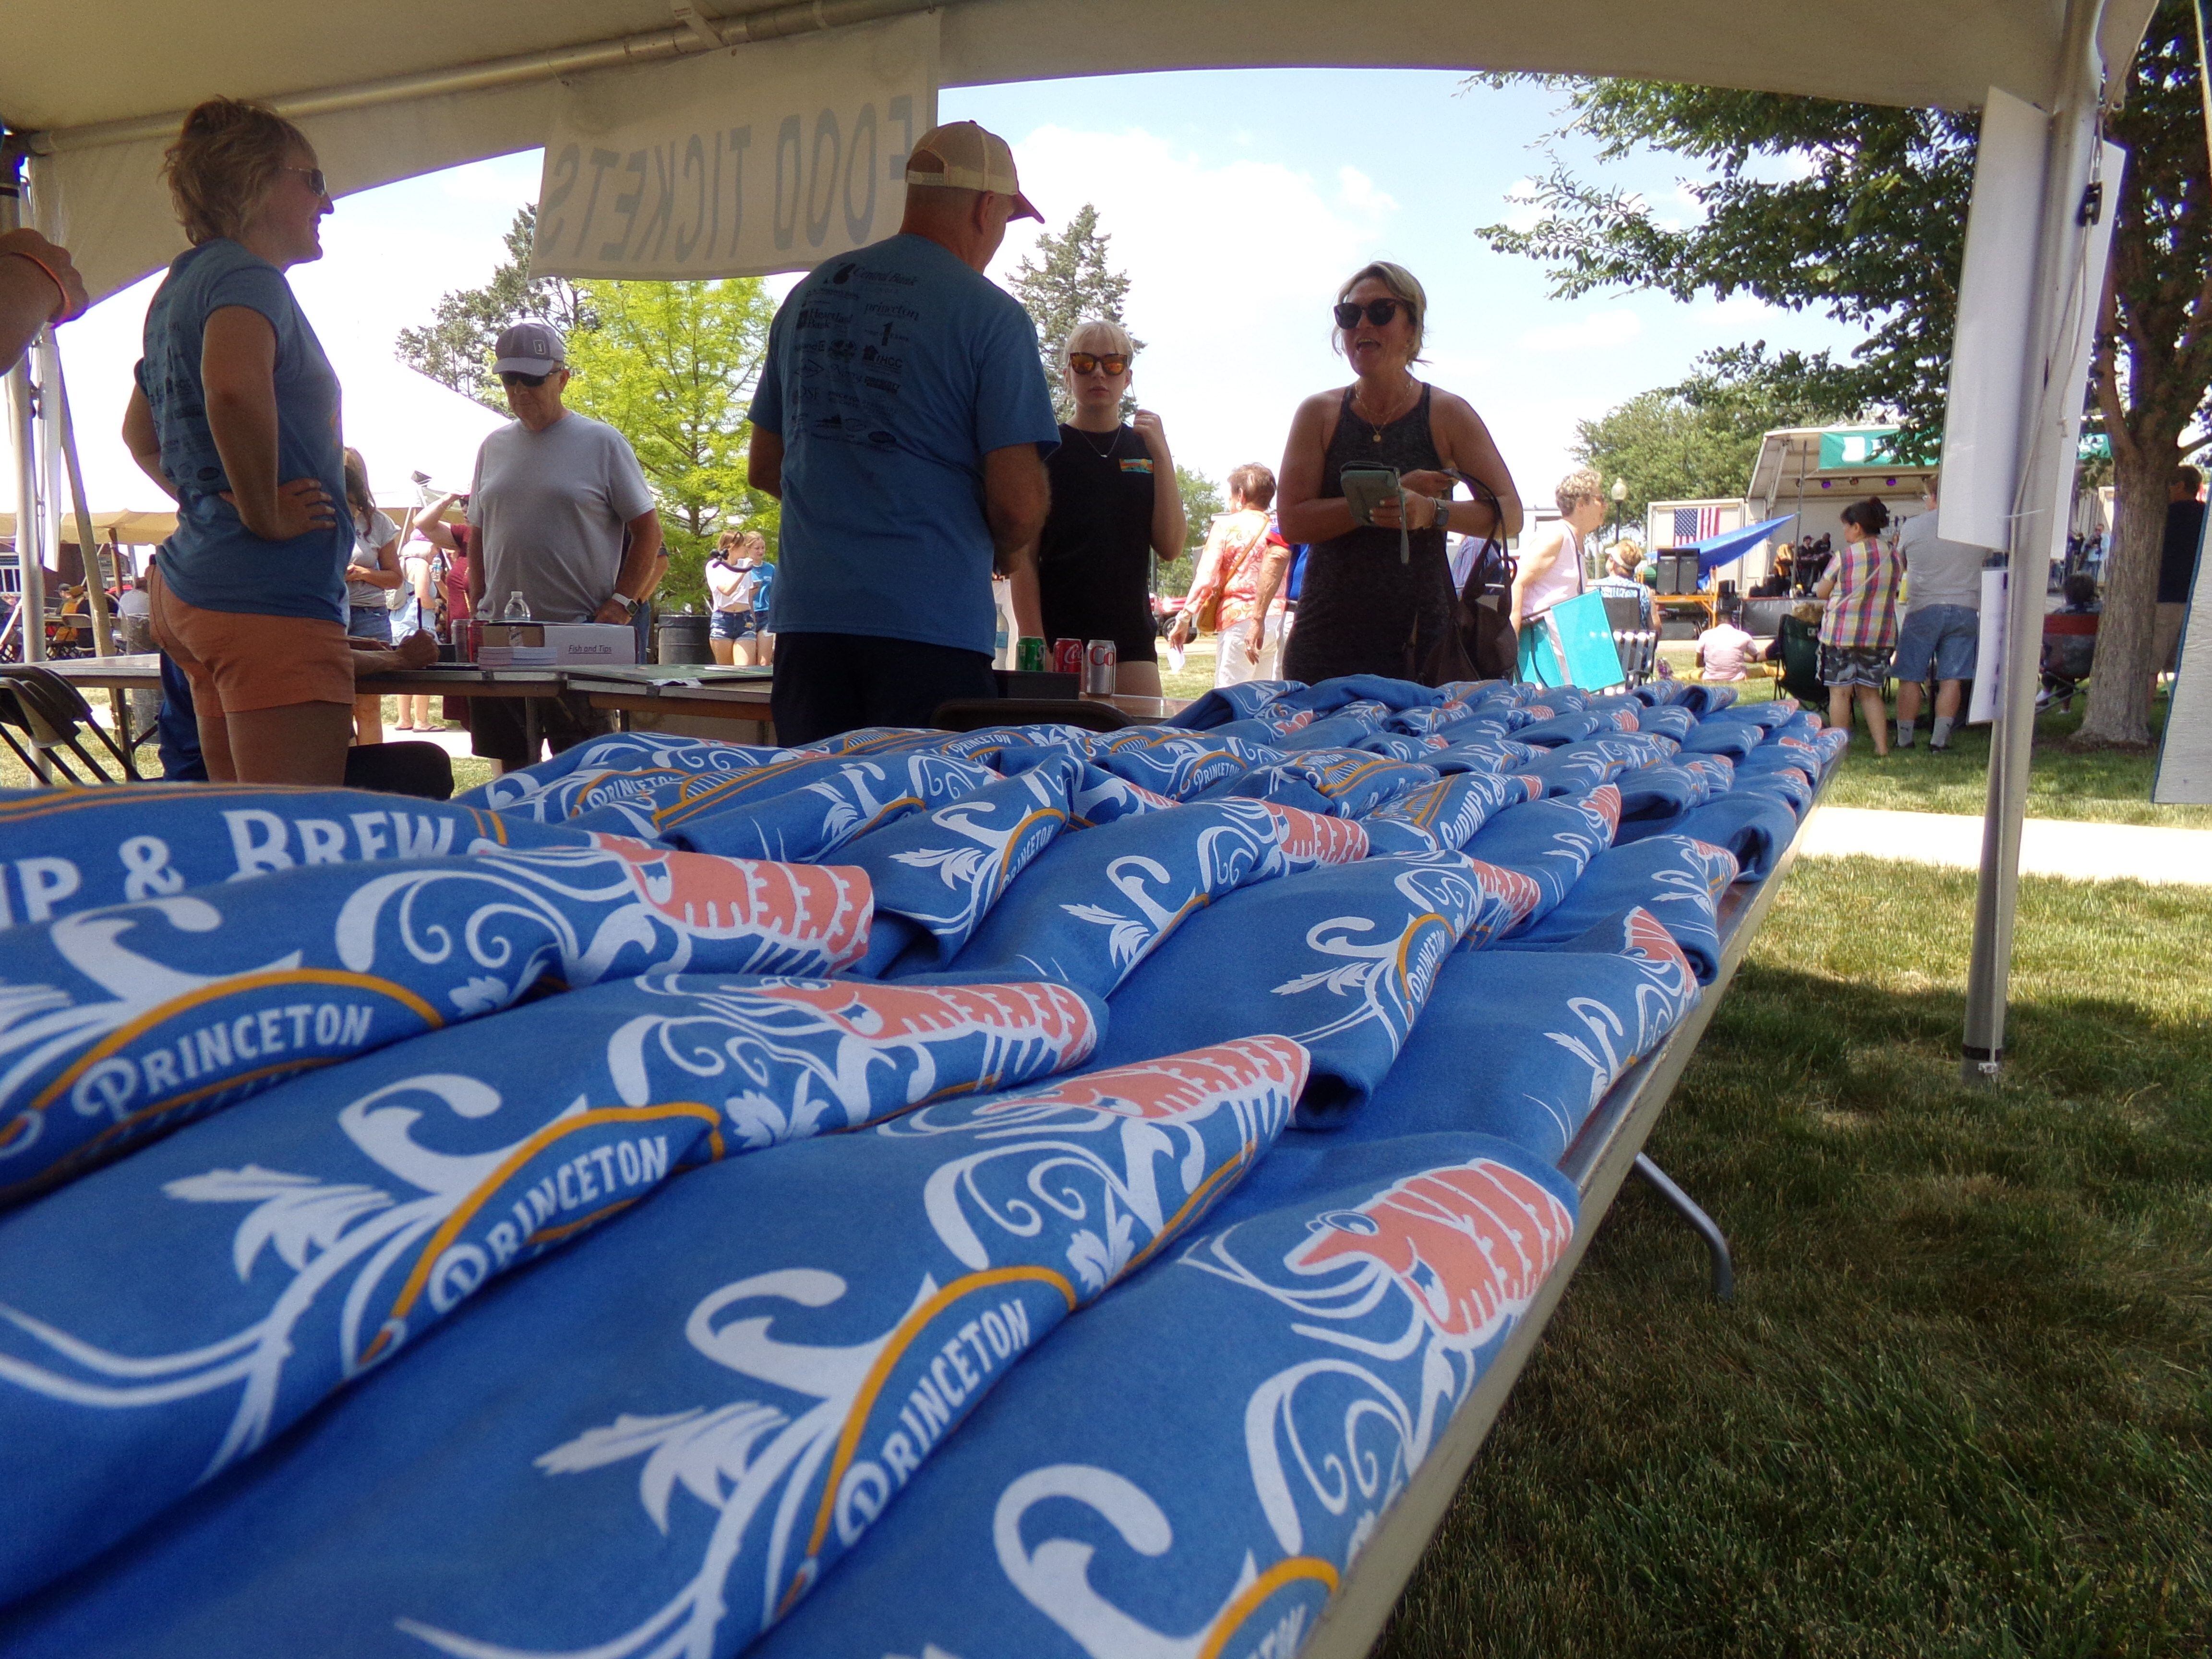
2052 388
95 585
28 565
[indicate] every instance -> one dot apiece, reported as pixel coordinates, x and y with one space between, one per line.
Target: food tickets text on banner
760 158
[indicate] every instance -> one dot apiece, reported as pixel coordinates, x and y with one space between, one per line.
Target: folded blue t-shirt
214 561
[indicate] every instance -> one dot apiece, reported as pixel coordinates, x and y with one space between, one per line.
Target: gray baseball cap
529 349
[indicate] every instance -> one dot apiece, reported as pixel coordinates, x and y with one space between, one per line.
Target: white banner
740 163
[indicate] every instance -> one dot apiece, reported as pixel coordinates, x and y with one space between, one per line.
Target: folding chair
55 720
1636 641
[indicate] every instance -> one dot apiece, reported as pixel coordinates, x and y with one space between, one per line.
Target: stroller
2069 644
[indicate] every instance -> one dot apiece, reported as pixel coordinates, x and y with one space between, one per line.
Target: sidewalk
2049 847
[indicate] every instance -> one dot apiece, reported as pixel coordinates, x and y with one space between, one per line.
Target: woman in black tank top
1366 609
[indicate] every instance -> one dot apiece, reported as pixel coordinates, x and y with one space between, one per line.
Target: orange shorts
237 664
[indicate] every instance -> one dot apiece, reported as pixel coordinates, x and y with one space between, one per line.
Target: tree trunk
2119 700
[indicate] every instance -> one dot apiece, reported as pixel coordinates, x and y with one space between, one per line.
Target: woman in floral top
1245 558
1858 633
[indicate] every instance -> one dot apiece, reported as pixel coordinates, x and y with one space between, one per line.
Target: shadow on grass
1961 1406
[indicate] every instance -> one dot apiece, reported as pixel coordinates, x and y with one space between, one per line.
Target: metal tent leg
1687 1207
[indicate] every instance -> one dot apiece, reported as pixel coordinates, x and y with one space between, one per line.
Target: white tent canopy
412 86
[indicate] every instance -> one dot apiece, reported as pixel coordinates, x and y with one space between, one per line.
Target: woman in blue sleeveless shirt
1373 604
236 416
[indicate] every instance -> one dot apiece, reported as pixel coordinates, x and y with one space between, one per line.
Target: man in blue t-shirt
903 419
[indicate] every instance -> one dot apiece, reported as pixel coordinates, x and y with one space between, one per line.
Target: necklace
1376 429
1112 439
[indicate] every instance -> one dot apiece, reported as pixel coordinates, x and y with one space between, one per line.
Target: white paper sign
738 162
1989 653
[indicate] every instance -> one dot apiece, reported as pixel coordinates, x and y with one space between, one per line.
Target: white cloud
1357 190
1233 264
1596 331
1522 211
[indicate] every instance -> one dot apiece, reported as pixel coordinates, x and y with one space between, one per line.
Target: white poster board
2184 755
1989 653
752 160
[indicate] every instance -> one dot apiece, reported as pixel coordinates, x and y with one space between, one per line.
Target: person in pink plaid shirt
1858 632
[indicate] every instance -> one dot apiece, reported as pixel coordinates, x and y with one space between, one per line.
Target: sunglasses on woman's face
1085 363
509 378
316 182
1377 312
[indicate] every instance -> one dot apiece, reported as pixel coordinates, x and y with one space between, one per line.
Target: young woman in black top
1113 505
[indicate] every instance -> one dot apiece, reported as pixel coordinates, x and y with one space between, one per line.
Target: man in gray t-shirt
1940 635
562 516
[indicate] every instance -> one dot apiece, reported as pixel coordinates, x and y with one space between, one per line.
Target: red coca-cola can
1100 663
1068 657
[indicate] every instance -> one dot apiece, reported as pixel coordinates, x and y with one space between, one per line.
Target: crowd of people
904 421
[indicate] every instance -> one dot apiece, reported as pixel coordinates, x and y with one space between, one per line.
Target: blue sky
1237 201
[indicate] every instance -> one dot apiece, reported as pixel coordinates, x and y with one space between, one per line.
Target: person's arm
721 580
1017 497
1169 524
764 462
238 383
430 522
384 572
634 580
37 286
1303 513
1532 565
1205 577
144 442
1466 447
1274 563
1026 594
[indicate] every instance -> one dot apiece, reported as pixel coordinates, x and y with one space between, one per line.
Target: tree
1698 438
671 367
2154 360
1063 281
455 347
1202 501
1871 231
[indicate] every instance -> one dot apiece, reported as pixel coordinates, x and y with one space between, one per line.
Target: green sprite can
1029 656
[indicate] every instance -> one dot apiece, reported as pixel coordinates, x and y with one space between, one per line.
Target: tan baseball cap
969 158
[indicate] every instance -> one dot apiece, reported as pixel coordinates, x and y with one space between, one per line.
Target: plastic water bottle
1002 651
518 609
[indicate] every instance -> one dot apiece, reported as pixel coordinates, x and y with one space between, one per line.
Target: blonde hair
1583 484
1092 329
1403 285
224 162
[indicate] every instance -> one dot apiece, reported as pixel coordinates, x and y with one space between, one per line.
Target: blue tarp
1730 545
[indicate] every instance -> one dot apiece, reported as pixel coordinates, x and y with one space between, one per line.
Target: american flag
1694 524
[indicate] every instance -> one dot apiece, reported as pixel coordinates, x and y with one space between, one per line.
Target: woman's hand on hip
299 505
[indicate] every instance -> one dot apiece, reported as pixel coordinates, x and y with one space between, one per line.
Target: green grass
1961 1405
2100 785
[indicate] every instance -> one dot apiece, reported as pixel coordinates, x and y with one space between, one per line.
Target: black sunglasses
314 178
508 377
1377 312
1085 363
